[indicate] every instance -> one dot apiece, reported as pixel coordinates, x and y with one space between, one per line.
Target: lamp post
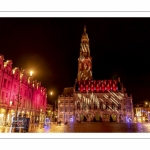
147 107
18 103
31 73
53 116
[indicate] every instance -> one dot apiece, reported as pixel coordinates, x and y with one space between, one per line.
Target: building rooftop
98 85
68 91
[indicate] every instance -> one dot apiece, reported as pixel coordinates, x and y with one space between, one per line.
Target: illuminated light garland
121 94
115 94
111 108
116 110
112 93
114 101
101 100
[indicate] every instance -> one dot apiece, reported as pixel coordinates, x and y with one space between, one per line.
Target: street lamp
54 115
31 117
51 93
10 102
31 72
147 108
146 103
18 103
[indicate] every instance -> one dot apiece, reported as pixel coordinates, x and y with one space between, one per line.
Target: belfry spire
84 60
85 29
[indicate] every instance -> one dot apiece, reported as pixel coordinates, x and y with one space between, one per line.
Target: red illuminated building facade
95 100
32 99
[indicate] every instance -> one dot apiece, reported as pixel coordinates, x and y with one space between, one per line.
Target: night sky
50 47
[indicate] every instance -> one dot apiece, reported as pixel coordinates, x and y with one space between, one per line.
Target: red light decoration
97 85
110 82
108 87
104 82
81 88
92 87
114 81
87 88
103 88
114 87
97 88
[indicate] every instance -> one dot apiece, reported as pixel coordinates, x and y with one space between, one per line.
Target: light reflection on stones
87 127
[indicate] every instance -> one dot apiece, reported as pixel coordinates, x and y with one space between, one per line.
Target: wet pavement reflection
86 127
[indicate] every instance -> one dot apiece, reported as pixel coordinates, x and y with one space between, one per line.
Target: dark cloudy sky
50 46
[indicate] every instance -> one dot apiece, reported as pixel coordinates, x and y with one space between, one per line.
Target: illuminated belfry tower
84 61
94 100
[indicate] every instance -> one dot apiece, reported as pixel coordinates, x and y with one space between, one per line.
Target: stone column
118 118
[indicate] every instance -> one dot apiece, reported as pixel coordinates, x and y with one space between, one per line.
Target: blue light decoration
71 119
47 121
46 129
128 120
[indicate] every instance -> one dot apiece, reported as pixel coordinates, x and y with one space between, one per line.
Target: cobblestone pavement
87 127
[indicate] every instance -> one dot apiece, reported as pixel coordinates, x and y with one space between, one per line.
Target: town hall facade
94 100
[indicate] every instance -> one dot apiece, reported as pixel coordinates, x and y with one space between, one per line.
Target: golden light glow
51 93
13 71
31 72
10 103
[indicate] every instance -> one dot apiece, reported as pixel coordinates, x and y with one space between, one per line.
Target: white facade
66 105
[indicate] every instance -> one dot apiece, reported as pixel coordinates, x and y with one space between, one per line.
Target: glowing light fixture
31 72
51 93
10 103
